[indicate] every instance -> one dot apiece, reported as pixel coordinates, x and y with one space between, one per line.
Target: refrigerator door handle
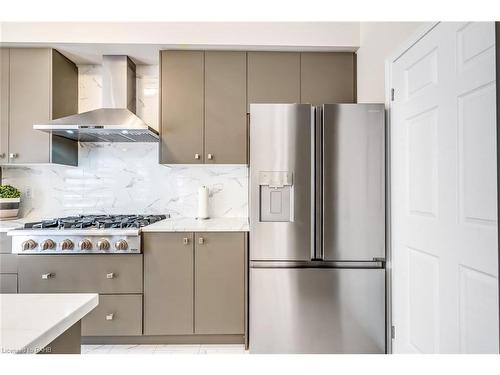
313 183
318 182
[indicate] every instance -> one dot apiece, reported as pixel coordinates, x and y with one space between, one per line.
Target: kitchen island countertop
29 322
189 224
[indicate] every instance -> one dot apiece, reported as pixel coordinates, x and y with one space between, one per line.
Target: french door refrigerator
317 228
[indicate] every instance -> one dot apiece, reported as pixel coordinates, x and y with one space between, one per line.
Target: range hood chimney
116 121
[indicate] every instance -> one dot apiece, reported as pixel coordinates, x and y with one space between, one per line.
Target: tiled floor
164 349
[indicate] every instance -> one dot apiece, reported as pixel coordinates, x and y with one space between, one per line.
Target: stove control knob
85 245
48 244
67 244
103 244
121 245
29 245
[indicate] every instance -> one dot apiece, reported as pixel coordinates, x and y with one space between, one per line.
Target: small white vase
9 208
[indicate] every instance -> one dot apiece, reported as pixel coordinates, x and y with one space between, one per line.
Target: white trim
405 46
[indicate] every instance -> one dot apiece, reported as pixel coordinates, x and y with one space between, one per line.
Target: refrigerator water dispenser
276 196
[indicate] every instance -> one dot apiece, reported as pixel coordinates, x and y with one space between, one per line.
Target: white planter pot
9 208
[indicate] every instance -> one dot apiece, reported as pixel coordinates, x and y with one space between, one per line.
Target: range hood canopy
116 121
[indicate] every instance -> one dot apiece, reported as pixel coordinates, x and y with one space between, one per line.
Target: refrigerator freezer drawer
317 310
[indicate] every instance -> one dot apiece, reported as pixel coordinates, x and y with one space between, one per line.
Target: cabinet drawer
8 263
108 274
8 283
116 315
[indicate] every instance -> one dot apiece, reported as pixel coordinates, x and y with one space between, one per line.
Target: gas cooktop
84 234
96 222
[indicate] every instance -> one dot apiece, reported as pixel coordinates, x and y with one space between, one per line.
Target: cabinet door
4 104
182 98
219 283
168 283
328 77
29 87
225 108
273 77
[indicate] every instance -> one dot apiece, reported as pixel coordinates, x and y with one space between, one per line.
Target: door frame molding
389 62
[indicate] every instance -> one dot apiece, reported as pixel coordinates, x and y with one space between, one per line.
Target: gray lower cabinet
8 265
116 277
113 273
116 315
37 84
219 291
168 283
194 283
8 283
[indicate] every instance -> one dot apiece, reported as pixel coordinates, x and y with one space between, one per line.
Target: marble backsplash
117 178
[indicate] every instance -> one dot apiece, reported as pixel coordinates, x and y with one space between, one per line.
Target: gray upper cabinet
182 107
328 77
168 283
205 96
219 276
38 84
225 108
4 104
273 77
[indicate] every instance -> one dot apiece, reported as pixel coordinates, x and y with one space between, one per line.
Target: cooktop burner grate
96 222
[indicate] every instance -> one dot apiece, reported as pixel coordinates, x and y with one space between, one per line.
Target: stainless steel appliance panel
280 158
317 310
353 177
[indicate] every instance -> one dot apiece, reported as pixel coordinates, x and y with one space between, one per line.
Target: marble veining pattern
114 178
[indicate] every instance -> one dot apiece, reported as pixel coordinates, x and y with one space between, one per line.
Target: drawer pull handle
110 275
47 276
201 240
210 156
185 240
110 316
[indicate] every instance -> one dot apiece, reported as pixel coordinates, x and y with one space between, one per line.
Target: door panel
30 103
168 283
273 77
219 296
444 193
314 310
182 98
353 182
281 142
327 77
225 107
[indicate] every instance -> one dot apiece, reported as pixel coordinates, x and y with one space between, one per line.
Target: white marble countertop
29 322
6 225
189 224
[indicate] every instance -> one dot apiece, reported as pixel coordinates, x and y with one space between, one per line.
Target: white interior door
444 193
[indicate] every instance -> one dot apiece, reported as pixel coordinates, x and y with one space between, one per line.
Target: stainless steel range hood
116 121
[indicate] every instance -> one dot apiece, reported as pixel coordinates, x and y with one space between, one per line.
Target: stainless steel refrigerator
317 228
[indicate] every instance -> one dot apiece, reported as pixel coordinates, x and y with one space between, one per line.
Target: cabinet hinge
393 332
392 95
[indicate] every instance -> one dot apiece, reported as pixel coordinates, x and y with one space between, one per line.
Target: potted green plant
10 198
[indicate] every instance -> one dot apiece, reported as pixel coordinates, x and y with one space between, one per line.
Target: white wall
377 41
